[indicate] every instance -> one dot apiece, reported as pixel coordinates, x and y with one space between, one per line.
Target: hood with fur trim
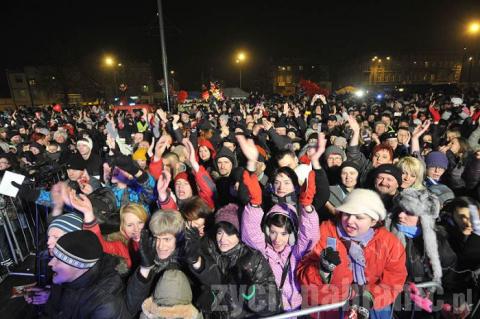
150 310
426 205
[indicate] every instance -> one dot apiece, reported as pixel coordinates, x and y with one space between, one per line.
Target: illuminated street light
120 65
109 61
379 60
359 93
241 56
474 28
470 58
172 72
388 58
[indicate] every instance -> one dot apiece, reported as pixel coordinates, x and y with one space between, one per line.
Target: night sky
202 36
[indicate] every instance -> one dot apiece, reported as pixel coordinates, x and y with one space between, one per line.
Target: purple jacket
308 235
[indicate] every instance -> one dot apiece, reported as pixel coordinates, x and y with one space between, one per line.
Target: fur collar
153 311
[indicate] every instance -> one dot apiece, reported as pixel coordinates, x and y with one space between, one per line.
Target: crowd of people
251 208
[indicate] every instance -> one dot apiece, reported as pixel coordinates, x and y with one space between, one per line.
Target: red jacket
385 270
117 248
155 169
205 186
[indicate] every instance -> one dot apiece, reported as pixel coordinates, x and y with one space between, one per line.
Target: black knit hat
391 170
76 162
80 249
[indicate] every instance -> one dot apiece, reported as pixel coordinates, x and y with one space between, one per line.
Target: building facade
407 69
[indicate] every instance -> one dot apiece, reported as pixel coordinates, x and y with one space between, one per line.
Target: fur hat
426 206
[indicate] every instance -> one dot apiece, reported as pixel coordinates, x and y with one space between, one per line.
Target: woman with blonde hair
125 242
413 172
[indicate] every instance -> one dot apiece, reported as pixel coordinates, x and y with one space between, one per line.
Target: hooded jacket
426 206
172 298
308 234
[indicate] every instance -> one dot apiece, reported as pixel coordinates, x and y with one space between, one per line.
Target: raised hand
192 158
162 184
420 129
352 121
317 152
82 204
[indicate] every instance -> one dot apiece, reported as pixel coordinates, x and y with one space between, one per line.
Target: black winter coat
96 294
239 283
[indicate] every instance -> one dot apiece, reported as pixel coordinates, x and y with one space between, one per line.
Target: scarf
287 199
410 231
356 255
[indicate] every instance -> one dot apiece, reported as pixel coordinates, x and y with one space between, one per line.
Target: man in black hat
85 282
387 181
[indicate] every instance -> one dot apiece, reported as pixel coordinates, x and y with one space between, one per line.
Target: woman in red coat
125 242
355 258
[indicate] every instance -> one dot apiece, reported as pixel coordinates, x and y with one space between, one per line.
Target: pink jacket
308 235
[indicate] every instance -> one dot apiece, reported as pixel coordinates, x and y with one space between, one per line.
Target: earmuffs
292 219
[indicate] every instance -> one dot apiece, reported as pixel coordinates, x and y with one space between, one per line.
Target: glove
26 193
147 249
251 182
308 190
361 303
435 114
329 259
192 245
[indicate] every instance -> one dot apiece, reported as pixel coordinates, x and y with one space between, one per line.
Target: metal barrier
317 309
309 311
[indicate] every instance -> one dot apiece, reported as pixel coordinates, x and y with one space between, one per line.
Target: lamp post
473 29
110 62
241 57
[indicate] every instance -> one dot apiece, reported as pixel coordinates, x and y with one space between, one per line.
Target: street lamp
110 62
473 28
240 59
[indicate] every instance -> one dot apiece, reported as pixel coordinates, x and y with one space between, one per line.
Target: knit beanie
228 214
436 159
80 249
67 222
87 141
140 154
76 162
390 169
333 149
227 153
364 201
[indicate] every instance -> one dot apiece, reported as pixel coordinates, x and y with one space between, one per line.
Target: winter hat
388 135
341 142
228 214
140 154
76 162
80 249
173 289
87 141
436 159
389 169
67 222
350 164
364 201
443 193
182 175
227 153
333 149
421 203
38 146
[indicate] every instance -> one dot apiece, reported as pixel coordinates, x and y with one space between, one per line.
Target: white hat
364 201
87 141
